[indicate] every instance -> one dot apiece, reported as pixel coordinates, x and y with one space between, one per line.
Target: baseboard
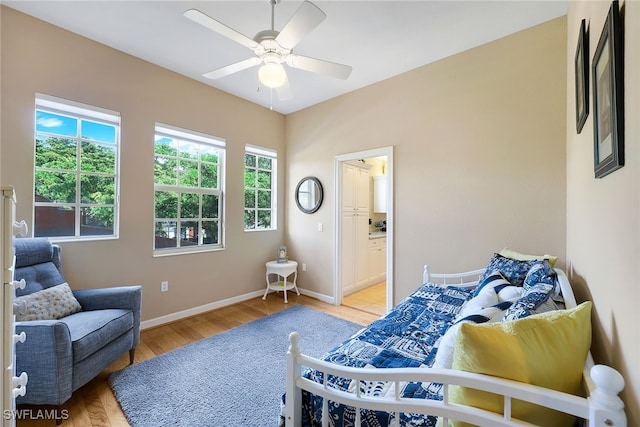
324 298
197 310
219 304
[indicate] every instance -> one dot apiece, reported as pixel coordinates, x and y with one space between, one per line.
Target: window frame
80 112
273 156
192 137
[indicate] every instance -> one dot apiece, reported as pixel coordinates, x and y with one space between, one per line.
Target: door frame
337 274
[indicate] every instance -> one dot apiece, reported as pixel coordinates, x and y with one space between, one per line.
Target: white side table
282 270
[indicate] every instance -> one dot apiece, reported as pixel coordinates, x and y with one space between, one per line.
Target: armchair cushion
92 330
38 277
52 303
33 252
121 297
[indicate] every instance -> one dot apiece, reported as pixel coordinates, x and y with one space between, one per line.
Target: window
188 184
76 170
259 188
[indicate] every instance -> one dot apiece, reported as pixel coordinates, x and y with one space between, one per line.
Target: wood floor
95 405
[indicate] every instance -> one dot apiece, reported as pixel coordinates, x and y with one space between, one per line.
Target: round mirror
309 194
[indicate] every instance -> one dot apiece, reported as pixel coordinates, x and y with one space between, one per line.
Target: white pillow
48 304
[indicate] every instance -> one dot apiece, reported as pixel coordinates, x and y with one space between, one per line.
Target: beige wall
479 150
603 215
38 57
484 158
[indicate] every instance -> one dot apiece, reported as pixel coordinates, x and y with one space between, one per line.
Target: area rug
233 379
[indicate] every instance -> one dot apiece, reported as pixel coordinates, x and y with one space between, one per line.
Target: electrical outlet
164 286
304 267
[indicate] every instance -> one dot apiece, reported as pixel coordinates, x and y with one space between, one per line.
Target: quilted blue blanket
406 337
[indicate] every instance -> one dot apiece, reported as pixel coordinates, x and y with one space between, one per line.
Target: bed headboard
466 279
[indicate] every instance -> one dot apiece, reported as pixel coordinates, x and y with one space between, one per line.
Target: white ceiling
379 39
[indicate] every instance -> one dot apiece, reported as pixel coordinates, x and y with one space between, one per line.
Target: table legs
284 285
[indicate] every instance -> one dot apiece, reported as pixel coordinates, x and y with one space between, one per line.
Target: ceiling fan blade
284 92
332 69
205 20
233 68
306 18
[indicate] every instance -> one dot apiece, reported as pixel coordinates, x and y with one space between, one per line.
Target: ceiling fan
273 48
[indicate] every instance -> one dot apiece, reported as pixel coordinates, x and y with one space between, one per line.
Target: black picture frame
608 97
582 77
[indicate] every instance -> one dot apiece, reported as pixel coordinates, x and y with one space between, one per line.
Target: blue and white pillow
543 273
536 299
494 279
513 270
494 290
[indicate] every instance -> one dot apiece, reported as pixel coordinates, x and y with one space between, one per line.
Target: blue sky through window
98 131
165 140
55 123
68 126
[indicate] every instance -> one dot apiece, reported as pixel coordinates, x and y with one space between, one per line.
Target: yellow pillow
547 349
508 253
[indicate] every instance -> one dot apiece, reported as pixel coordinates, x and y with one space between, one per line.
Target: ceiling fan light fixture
272 75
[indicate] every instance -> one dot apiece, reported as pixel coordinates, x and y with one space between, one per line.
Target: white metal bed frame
602 407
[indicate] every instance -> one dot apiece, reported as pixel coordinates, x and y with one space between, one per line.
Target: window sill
172 252
58 239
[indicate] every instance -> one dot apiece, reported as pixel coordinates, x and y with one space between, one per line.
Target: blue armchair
61 355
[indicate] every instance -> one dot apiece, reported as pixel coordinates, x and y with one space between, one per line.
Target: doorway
367 290
372 299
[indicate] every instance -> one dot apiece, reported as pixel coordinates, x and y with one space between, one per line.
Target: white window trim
89 112
162 129
261 151
194 136
79 109
273 155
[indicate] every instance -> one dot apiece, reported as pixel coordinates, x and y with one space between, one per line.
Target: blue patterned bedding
406 337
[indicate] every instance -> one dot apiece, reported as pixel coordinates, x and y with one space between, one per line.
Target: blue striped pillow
444 355
494 279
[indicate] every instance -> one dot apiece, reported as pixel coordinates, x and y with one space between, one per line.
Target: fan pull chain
270 96
271 99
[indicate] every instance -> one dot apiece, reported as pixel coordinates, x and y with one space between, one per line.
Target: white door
361 243
347 248
361 191
348 187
